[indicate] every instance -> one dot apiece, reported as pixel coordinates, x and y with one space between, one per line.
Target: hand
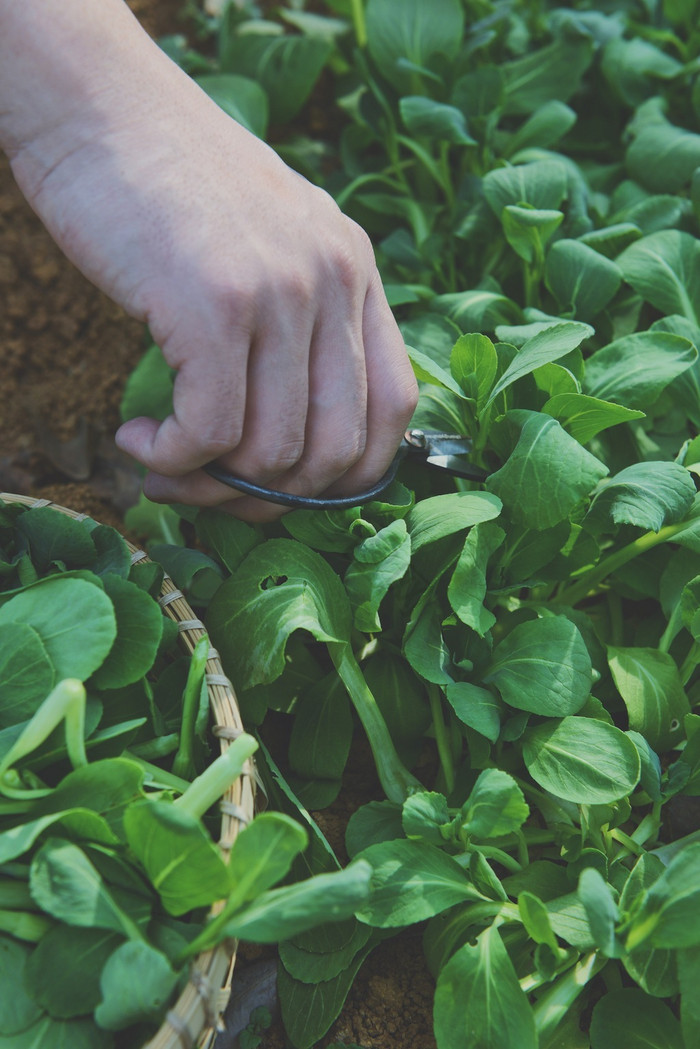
266 300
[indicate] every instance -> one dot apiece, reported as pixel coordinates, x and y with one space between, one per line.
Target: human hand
290 370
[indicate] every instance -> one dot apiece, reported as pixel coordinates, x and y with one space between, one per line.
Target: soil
66 351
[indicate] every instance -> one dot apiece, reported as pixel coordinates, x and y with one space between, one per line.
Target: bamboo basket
195 1018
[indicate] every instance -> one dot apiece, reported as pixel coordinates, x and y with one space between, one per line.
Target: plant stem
589 580
441 738
183 762
358 21
156 776
395 779
208 788
689 663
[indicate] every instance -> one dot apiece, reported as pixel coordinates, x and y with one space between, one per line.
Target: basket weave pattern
195 1017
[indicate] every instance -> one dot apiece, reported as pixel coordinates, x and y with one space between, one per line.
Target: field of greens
522 654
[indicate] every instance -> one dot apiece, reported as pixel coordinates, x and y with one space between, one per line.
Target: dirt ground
66 351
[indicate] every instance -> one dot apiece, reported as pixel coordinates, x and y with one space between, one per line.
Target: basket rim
195 1017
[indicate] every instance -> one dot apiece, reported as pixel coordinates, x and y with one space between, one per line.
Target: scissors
443 451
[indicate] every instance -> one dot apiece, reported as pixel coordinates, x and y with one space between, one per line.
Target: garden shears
442 451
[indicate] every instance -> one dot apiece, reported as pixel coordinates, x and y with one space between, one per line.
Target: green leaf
149 388
286 67
646 495
535 918
332 531
582 760
668 915
19 1007
420 35
582 280
411 881
542 184
597 898
633 67
136 984
239 96
64 970
281 914
547 125
631 1018
179 857
59 1034
547 345
584 417
467 587
689 973
280 587
56 540
426 370
263 854
661 156
229 538
552 72
475 707
321 735
442 515
636 369
67 886
478 308
74 620
479 1001
423 116
649 683
310 959
528 229
26 672
495 806
547 474
474 363
423 817
664 268
139 633
542 666
378 561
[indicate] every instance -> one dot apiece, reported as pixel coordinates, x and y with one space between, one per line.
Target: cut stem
213 783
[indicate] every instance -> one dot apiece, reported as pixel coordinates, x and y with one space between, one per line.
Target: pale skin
291 371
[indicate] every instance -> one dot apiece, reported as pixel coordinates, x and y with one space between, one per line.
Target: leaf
467 587
646 495
26 672
19 1008
310 959
424 816
436 120
632 67
475 707
495 806
661 156
423 643
67 886
477 309
649 683
321 735
668 915
552 72
281 914
582 760
585 417
180 859
411 881
280 587
378 561
542 184
547 474
631 1018
426 370
229 538
332 531
473 364
286 67
74 619
241 97
582 280
548 345
401 698
443 515
149 388
139 633
547 125
664 268
263 854
136 984
64 970
601 909
636 369
56 540
528 229
59 1034
542 666
419 35
479 1001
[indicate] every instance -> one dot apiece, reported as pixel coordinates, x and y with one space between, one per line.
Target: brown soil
66 351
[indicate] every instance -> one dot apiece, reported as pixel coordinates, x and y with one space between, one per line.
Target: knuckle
271 462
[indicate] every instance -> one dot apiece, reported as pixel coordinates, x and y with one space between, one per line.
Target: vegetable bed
521 655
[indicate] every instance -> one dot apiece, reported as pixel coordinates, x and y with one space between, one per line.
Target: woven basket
195 1017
